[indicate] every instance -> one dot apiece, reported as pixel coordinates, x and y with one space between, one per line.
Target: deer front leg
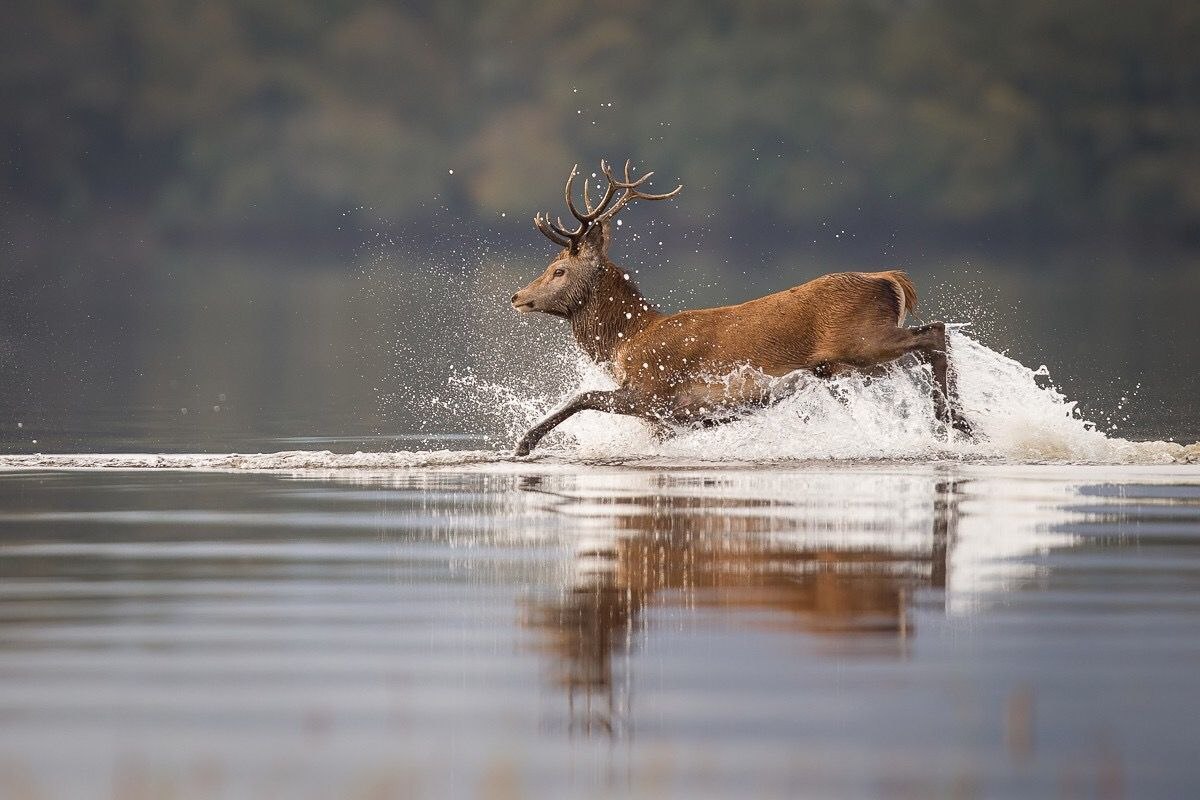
619 401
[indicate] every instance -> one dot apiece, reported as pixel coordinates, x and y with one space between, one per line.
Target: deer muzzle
521 304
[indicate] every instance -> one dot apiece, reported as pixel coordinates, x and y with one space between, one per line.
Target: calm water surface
558 631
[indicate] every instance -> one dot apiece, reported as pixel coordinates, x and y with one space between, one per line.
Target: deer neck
614 311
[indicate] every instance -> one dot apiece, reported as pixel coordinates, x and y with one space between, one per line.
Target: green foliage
275 115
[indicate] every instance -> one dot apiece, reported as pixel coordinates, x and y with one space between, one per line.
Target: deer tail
907 292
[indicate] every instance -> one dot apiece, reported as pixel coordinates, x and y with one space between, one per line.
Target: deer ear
598 236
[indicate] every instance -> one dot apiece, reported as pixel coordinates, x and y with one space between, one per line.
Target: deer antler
558 233
631 190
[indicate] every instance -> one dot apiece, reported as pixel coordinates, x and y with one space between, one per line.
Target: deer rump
709 366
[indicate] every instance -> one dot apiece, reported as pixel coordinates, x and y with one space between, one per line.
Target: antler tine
604 201
640 180
630 187
561 230
568 191
592 213
664 196
545 226
556 232
629 182
612 179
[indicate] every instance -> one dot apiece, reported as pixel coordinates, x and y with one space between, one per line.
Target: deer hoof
522 449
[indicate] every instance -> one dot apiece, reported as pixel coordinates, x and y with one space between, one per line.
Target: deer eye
558 273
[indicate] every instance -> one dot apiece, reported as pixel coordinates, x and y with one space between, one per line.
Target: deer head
568 280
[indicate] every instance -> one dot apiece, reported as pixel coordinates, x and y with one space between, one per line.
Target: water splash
1018 417
491 371
464 362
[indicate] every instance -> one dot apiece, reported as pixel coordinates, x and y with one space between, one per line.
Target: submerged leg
709 406
620 401
931 345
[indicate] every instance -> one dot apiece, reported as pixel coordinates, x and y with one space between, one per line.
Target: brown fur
675 367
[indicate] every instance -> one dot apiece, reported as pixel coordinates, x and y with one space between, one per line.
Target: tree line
273 117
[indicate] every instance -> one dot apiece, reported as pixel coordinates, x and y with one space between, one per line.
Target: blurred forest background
231 204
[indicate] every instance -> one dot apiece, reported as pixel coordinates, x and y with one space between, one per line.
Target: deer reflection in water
731 555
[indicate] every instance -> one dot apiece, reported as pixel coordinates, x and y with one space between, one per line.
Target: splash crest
1018 416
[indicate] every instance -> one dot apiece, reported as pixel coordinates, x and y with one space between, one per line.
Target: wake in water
502 375
1017 415
1018 418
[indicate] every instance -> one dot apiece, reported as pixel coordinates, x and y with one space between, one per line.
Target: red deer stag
707 365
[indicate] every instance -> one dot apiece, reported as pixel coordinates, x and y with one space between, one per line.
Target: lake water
260 536
477 627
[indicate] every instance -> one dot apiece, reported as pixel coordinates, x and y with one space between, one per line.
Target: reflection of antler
701 552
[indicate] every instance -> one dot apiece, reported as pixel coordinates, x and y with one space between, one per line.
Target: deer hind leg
929 343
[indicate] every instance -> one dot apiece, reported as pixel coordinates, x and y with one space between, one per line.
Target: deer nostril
514 298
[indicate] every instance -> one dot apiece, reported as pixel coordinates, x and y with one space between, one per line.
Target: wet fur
675 367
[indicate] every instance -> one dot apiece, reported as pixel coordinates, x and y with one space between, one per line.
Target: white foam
1015 418
287 461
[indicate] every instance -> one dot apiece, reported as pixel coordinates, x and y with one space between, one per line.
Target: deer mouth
524 307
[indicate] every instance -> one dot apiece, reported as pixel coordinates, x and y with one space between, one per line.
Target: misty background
246 224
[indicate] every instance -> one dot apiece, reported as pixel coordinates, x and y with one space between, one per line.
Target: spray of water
464 362
1017 415
508 371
